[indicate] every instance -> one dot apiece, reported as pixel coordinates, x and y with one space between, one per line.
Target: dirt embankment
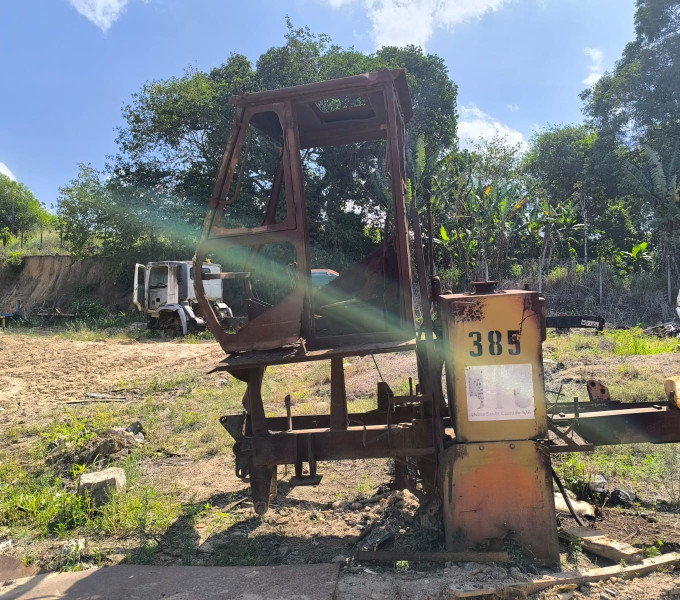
46 282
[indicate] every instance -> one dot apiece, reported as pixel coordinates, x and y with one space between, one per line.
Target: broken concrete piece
111 443
101 485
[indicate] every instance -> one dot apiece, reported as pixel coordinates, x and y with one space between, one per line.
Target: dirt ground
39 371
350 510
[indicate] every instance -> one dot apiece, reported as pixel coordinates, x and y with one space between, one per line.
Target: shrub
13 263
90 310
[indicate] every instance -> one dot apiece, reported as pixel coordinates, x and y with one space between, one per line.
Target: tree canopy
596 190
176 129
20 210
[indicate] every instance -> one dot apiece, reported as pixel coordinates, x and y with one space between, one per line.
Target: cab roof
338 111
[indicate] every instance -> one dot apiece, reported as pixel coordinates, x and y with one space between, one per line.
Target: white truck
164 291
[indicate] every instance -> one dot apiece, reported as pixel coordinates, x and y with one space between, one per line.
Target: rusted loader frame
399 427
417 427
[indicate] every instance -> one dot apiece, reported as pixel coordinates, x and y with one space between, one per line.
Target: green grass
105 326
238 552
108 326
32 246
620 342
646 469
631 342
366 486
180 413
44 503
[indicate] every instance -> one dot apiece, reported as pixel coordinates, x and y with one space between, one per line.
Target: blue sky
69 66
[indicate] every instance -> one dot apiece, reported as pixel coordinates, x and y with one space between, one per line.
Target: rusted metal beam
338 395
355 84
253 400
398 414
296 354
370 441
625 424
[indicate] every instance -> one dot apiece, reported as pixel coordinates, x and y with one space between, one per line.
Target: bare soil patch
59 281
40 371
655 367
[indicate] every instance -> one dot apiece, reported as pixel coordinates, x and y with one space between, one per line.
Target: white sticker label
499 392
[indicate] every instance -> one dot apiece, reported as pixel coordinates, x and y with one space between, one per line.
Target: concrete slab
11 568
136 582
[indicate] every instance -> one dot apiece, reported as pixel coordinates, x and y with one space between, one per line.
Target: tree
432 92
560 161
481 200
175 133
83 208
176 129
636 112
20 211
659 189
639 102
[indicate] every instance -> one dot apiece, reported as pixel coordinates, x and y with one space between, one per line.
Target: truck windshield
158 277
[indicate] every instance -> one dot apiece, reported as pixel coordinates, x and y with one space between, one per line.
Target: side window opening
257 194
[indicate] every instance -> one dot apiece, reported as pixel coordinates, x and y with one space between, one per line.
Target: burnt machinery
484 447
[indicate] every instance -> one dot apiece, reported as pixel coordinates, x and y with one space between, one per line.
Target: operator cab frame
257 224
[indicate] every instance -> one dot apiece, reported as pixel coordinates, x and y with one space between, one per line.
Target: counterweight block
498 495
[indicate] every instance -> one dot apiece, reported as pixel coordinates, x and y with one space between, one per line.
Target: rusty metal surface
670 387
495 480
356 442
494 368
624 424
296 354
379 301
398 414
597 391
499 494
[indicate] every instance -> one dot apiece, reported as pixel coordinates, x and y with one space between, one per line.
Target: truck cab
164 291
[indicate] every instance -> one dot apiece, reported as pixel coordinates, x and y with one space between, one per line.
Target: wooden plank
648 565
598 543
392 556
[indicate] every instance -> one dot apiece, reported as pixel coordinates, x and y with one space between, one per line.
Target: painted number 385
494 343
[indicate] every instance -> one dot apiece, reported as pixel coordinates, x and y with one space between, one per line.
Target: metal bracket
313 478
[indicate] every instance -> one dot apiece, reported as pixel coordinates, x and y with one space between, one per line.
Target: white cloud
513 107
103 13
595 66
475 126
5 170
402 22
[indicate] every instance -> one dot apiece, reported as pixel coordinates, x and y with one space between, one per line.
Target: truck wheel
174 325
169 322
